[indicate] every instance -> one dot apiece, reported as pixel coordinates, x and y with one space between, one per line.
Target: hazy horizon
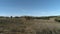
29 7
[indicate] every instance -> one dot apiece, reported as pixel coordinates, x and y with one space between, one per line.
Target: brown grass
28 26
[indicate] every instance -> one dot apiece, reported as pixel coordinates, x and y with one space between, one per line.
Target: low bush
57 20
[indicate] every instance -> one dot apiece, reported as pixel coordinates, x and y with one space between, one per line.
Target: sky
29 7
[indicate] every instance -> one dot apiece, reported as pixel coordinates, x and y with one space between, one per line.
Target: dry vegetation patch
29 25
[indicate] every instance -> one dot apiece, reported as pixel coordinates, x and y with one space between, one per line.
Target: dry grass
28 26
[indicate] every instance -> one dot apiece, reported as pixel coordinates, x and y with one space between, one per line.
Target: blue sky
29 7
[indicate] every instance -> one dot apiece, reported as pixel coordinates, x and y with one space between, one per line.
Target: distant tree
1 16
44 18
16 17
11 16
28 17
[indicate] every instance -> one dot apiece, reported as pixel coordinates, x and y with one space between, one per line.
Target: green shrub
16 17
57 20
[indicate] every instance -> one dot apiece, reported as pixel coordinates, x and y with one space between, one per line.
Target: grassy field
30 25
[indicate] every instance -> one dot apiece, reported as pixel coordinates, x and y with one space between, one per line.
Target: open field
30 25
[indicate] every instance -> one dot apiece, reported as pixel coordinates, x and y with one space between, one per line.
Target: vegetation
57 19
29 25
